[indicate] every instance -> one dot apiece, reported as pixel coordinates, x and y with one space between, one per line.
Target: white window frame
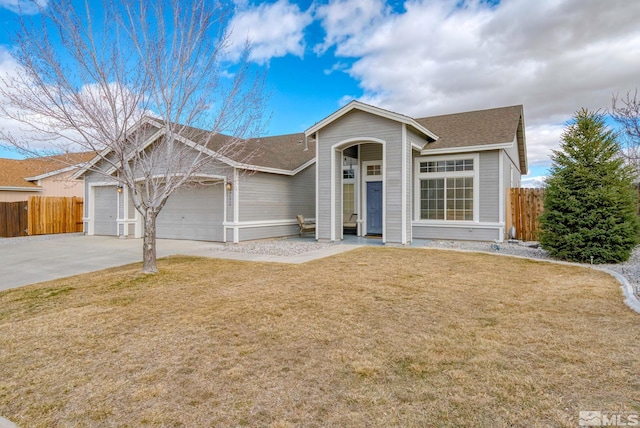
475 174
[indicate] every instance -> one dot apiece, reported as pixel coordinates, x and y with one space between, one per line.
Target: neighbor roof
13 173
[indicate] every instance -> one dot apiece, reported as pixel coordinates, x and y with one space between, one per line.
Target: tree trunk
149 264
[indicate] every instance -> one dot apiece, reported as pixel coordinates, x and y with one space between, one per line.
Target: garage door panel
105 207
193 213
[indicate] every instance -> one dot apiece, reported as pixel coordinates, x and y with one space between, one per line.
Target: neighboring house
43 176
442 177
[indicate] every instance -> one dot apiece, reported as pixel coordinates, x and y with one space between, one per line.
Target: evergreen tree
590 201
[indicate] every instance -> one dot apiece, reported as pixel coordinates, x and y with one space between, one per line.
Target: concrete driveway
43 258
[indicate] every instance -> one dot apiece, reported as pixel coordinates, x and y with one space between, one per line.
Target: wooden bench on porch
305 226
351 224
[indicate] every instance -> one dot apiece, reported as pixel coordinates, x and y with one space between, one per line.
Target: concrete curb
6 423
631 299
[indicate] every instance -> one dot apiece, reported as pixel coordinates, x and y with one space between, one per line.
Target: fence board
525 207
49 214
13 219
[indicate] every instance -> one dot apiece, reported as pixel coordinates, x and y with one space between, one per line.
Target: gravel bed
274 247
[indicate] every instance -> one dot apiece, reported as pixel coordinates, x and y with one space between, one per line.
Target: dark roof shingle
474 128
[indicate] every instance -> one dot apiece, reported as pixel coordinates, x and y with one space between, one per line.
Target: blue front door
374 208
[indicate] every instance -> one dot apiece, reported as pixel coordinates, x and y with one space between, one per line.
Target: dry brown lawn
372 337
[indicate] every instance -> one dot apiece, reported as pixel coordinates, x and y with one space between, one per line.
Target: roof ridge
521 106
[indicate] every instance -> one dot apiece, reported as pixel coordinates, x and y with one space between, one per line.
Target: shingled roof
452 131
473 128
283 152
13 173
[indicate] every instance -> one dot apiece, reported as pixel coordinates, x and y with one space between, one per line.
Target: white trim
373 178
356 105
452 150
236 205
317 181
476 183
383 168
332 193
416 146
224 159
209 177
145 120
21 189
225 203
126 220
501 196
358 188
457 224
52 173
90 219
193 145
263 223
403 186
344 144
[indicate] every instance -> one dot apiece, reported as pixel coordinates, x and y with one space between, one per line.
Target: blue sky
432 57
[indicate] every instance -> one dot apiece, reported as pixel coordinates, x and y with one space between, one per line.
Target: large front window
446 189
446 199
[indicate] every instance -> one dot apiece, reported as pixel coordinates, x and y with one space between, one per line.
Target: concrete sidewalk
35 259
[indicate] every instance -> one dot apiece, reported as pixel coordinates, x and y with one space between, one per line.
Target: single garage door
105 207
193 213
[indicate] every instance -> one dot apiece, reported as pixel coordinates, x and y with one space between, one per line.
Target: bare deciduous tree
626 112
89 76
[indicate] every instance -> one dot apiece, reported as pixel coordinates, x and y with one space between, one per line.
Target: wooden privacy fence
49 214
524 207
13 219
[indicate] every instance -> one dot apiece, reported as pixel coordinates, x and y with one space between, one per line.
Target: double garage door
195 213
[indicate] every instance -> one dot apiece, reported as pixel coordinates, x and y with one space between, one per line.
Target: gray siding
508 164
512 154
131 208
250 233
489 186
370 152
362 127
471 233
266 196
121 205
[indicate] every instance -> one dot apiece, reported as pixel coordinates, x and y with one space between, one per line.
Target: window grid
456 165
454 193
374 170
348 200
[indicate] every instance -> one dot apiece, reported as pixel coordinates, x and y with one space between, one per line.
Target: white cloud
342 19
338 66
552 56
273 30
536 182
27 7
